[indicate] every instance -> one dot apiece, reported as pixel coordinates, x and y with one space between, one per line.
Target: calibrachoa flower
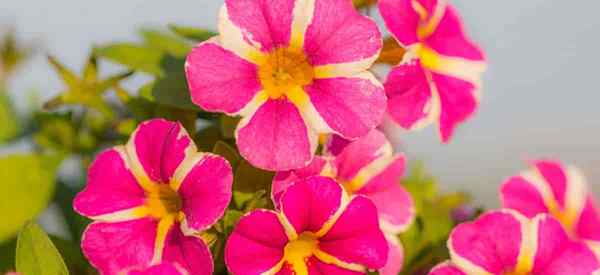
367 167
292 69
160 269
504 242
440 73
315 231
149 198
550 187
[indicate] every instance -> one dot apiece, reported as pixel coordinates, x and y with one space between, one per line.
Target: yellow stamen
283 71
162 201
298 251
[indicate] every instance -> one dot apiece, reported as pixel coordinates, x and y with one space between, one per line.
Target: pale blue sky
540 99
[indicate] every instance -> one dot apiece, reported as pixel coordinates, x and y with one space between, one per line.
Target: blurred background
540 94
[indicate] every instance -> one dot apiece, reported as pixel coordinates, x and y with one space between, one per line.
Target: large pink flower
292 69
149 198
550 187
504 242
367 167
439 76
314 232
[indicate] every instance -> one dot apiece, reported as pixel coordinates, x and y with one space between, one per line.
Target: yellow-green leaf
9 127
192 33
135 57
166 42
36 254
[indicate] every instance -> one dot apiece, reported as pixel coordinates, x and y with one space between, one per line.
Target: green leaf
192 33
250 184
27 187
135 57
36 255
207 138
225 150
228 125
166 42
9 127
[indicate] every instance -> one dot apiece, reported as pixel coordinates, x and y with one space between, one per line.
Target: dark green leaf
228 125
225 150
36 255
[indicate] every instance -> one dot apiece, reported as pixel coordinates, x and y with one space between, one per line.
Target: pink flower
549 187
504 242
292 69
315 231
440 73
149 198
367 167
161 269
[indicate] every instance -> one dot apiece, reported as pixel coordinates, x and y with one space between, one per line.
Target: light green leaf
36 254
135 57
27 187
9 127
192 33
166 42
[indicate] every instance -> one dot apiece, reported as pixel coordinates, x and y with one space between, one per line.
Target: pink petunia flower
149 198
550 187
440 73
504 242
315 231
292 69
160 269
367 167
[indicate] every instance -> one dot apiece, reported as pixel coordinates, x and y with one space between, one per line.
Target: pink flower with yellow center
504 242
561 191
292 69
369 167
440 74
314 232
149 200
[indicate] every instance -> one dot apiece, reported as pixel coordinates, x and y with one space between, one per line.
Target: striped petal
361 153
446 268
285 179
160 269
458 102
190 252
395 258
401 19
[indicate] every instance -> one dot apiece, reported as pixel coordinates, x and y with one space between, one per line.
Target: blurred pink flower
440 74
367 167
315 231
505 242
561 191
149 198
292 69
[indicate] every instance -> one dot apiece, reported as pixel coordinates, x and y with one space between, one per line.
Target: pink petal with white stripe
401 20
190 252
395 258
339 34
361 243
113 247
588 226
219 80
360 153
555 176
160 269
111 187
446 269
458 102
351 107
256 244
318 267
410 98
519 194
284 179
276 137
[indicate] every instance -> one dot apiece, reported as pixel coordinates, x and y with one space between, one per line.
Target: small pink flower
149 198
504 242
367 167
315 231
161 269
440 73
292 69
550 187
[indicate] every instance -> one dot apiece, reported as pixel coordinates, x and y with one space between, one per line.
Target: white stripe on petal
301 18
234 39
184 168
123 215
576 193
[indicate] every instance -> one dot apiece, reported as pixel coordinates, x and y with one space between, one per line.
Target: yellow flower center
162 201
297 252
283 71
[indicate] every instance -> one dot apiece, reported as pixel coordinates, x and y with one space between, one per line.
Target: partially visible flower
504 242
292 69
561 191
160 269
439 77
150 198
318 229
369 167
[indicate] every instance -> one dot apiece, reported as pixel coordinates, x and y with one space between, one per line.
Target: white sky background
541 95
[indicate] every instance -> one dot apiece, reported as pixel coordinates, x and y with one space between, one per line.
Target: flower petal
157 148
401 20
205 190
446 269
318 267
395 258
491 244
284 179
351 107
555 177
219 80
588 226
411 102
360 153
160 269
339 34
276 137
519 194
311 204
111 188
112 247
357 242
458 102
188 251
256 244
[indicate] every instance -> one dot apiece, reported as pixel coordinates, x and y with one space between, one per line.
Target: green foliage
135 57
36 255
27 187
191 33
9 128
12 55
